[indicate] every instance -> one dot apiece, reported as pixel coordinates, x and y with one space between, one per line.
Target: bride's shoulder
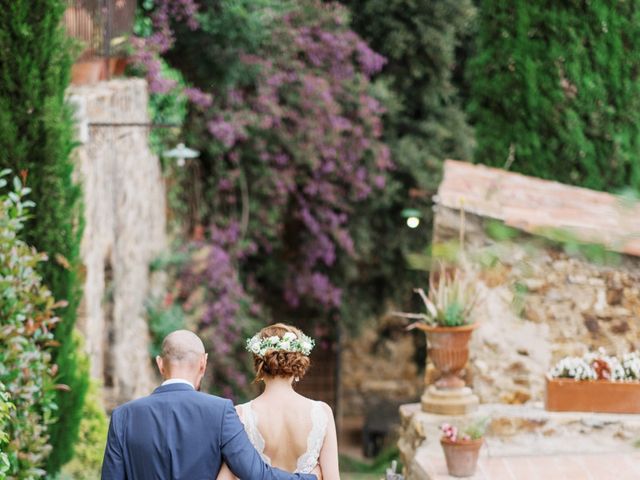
325 406
241 408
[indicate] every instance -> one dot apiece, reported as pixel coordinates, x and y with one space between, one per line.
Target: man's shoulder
201 398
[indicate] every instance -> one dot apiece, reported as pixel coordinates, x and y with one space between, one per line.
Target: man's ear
160 364
203 363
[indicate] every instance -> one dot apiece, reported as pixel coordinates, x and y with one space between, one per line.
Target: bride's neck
278 385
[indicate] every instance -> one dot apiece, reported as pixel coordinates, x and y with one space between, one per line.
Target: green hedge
26 322
87 458
555 90
5 410
36 139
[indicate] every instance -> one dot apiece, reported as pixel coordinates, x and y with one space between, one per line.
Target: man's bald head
183 357
182 347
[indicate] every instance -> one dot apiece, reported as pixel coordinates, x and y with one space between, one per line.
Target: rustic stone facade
539 303
124 213
557 270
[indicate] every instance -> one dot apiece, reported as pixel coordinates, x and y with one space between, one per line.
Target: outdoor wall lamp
413 217
181 153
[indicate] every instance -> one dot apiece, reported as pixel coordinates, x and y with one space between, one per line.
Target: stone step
607 466
518 432
531 430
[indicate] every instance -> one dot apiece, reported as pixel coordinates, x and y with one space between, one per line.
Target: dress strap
250 420
319 419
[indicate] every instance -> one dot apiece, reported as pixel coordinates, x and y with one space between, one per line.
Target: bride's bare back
289 429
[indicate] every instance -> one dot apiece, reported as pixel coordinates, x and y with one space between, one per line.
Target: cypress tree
36 139
555 90
424 125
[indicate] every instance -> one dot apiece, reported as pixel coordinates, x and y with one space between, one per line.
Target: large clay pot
117 66
461 456
88 72
448 349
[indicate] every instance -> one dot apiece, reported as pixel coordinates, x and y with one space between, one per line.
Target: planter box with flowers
595 382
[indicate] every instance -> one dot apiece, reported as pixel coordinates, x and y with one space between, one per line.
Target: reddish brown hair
277 363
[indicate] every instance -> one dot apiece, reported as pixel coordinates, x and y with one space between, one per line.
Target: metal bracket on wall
132 124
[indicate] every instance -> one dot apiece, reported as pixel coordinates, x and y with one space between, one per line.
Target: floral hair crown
289 342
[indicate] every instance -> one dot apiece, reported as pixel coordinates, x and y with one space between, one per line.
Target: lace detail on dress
308 460
250 421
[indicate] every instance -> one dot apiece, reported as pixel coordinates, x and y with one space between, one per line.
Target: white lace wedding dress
309 459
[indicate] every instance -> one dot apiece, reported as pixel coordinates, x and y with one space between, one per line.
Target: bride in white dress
290 431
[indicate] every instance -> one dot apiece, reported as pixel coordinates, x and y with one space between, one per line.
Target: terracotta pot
117 66
461 456
602 396
448 348
87 72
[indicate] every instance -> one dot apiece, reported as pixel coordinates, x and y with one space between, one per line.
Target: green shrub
36 139
5 410
87 458
26 322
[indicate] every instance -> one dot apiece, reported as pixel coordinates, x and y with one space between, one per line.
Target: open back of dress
288 438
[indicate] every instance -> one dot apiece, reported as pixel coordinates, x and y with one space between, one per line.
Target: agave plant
449 302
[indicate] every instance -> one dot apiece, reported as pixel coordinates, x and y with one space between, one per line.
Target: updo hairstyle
278 363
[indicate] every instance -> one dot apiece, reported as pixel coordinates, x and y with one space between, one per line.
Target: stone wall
124 212
379 366
539 303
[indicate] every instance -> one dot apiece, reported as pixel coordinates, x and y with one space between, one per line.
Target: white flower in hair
289 336
253 345
307 345
288 343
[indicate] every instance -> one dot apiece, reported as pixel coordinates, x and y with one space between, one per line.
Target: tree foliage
291 147
555 90
5 415
36 140
424 124
26 323
87 458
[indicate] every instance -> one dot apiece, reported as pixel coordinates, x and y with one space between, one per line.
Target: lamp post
193 194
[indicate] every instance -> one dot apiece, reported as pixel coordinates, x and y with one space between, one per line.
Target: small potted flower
461 449
447 323
595 382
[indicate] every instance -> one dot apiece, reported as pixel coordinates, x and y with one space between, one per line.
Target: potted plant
595 382
447 323
461 449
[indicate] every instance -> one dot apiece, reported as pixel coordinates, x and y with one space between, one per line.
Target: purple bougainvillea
295 147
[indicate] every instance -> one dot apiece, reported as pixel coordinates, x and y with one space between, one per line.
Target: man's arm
238 452
113 464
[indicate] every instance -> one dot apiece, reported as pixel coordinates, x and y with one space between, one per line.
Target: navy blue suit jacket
177 433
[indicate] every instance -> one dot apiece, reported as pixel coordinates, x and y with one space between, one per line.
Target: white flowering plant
289 342
599 366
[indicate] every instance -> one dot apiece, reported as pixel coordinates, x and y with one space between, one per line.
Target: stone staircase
518 431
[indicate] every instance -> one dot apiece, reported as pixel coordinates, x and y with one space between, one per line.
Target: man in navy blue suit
178 433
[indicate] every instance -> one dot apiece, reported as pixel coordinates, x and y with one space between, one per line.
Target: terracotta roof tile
532 205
